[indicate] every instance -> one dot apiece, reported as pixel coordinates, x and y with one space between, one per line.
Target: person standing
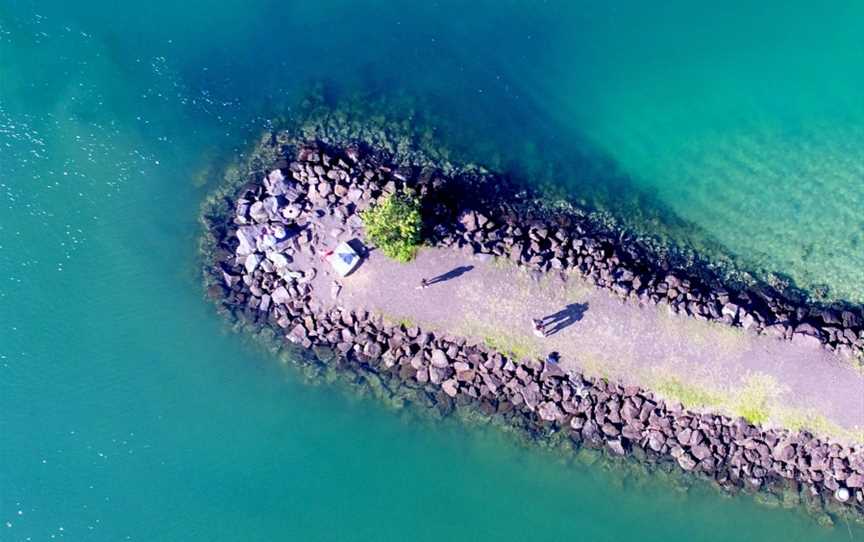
539 327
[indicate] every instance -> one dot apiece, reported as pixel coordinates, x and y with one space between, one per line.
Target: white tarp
344 259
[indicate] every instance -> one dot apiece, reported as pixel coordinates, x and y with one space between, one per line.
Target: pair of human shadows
566 317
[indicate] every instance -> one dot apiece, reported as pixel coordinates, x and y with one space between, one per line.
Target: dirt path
702 364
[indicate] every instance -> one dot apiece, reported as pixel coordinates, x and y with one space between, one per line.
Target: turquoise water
127 414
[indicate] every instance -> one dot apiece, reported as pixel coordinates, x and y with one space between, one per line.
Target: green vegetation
516 348
395 320
755 402
689 396
394 225
796 420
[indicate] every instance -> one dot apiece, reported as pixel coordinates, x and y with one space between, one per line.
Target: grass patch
758 403
755 402
518 349
392 320
798 420
752 402
719 335
688 395
406 322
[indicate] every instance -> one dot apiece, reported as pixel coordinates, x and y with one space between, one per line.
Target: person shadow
564 318
450 275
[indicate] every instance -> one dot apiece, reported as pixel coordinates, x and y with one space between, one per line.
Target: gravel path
704 364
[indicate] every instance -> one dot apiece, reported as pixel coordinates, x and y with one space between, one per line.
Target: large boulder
468 219
549 411
439 359
247 235
551 370
617 446
686 461
450 387
251 262
274 183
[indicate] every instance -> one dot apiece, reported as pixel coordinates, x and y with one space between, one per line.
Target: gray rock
610 430
439 358
280 296
373 349
230 279
700 452
686 461
783 451
530 396
747 320
806 340
468 219
279 260
298 334
271 207
830 317
247 235
730 311
436 374
850 319
656 440
616 446
855 480
549 411
274 183
251 262
450 387
355 195
807 329
258 212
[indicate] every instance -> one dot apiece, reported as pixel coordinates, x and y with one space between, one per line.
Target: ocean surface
127 412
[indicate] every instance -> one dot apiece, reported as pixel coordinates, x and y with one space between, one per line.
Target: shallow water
125 413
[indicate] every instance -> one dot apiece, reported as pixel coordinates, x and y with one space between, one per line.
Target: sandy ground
705 364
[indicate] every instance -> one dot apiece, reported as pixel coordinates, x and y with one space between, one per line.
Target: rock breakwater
261 229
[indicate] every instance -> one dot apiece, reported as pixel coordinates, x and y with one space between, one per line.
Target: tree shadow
360 248
449 275
564 318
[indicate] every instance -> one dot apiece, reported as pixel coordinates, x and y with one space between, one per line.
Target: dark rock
551 370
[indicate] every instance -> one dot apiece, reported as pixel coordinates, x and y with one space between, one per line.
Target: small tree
394 226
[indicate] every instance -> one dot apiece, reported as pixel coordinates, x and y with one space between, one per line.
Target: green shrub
394 226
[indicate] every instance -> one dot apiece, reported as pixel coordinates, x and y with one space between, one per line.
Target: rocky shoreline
255 232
